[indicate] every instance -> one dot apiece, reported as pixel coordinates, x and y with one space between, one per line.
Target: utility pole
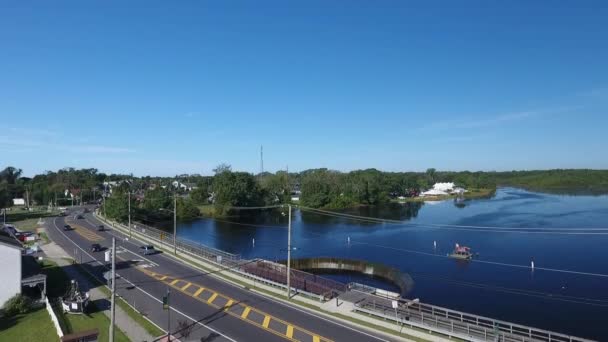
289 253
175 224
167 299
113 308
129 214
104 206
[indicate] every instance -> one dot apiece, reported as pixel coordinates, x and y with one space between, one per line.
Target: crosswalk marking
174 282
266 322
163 278
229 304
212 298
186 286
316 339
245 312
198 292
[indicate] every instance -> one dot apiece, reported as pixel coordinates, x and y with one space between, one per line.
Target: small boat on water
462 253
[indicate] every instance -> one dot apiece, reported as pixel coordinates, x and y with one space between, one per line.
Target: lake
572 303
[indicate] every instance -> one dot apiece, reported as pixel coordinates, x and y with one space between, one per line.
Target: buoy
348 240
532 265
253 242
434 244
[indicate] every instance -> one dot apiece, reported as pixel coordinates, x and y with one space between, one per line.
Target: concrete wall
10 276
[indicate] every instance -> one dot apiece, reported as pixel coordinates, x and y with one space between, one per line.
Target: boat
462 253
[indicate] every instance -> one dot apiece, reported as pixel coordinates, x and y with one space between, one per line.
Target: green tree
238 189
186 209
199 195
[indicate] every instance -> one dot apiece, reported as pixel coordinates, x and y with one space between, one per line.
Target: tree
186 209
117 206
238 189
199 195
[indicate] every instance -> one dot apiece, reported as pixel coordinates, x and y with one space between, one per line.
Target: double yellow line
244 312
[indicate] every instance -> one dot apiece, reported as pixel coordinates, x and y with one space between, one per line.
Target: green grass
17 214
207 210
33 326
136 316
57 284
29 225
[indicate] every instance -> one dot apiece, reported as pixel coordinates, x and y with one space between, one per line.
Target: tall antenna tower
261 159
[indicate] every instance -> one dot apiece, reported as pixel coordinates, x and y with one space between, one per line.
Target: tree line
152 198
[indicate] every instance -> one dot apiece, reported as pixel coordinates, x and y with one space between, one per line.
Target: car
22 236
67 227
147 249
101 228
78 217
96 247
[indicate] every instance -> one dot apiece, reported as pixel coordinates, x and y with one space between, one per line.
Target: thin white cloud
596 92
440 126
36 141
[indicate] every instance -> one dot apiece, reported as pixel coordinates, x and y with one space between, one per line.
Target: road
217 310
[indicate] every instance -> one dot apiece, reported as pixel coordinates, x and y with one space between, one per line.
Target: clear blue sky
169 87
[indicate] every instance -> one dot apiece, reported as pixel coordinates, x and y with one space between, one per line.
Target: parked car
147 249
67 227
95 247
78 217
22 236
101 228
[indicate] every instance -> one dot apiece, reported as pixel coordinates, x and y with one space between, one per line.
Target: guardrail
428 317
228 262
458 324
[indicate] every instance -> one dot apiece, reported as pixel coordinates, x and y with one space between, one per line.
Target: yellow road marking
245 312
198 292
289 332
212 298
186 286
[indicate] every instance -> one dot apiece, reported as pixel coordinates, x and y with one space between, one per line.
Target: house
20 273
433 192
184 186
18 201
446 187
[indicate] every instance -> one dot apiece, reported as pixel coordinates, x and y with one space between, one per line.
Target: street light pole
129 214
289 253
175 224
113 308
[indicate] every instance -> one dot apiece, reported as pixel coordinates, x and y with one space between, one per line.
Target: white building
440 189
18 201
17 270
184 186
447 186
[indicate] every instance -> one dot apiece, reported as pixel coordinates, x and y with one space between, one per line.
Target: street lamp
174 211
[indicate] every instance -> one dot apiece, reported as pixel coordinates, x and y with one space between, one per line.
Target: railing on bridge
458 324
441 320
166 239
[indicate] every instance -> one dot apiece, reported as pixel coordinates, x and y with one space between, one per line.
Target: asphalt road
217 311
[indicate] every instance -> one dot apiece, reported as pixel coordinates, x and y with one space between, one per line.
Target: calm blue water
485 289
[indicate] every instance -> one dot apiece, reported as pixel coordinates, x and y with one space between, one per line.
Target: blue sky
163 88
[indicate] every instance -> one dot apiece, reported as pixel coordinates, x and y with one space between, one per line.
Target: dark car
147 250
101 228
67 227
95 247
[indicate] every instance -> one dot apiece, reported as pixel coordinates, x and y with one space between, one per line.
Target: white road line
142 290
277 301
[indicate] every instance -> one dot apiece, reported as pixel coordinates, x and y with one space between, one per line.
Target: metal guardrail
451 323
459 324
200 249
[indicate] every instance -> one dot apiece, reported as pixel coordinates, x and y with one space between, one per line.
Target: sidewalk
123 321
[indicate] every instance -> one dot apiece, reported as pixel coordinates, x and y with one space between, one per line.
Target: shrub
17 304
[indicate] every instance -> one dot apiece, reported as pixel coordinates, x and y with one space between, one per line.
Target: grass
29 225
135 315
207 210
33 326
57 285
17 214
